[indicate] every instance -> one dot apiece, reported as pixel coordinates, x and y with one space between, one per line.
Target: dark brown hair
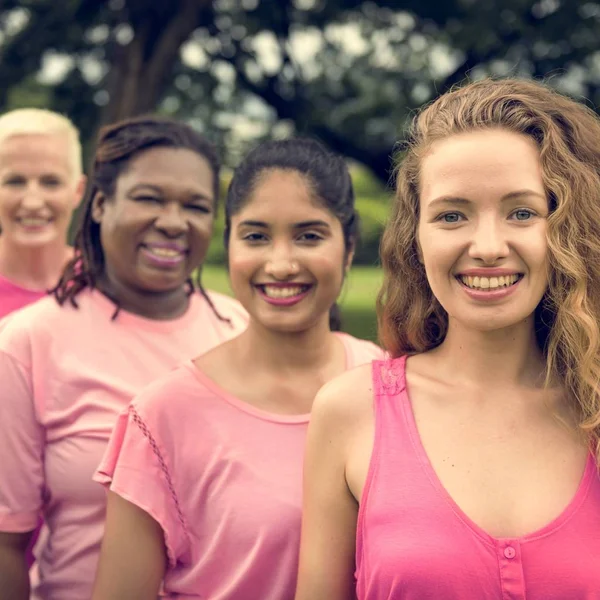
326 173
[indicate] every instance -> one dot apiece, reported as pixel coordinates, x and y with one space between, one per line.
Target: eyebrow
464 201
159 190
300 225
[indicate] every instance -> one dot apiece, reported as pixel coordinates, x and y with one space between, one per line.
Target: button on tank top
415 543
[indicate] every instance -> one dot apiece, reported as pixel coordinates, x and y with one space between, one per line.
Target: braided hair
117 145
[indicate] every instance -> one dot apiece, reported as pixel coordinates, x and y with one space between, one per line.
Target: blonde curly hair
567 133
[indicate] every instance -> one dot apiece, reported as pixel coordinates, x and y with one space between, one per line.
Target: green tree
347 71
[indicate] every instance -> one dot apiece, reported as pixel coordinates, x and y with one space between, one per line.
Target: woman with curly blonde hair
466 465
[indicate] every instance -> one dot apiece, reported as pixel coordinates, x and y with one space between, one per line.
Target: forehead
472 164
281 196
35 153
169 168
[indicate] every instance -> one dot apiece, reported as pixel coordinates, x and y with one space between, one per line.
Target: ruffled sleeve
136 468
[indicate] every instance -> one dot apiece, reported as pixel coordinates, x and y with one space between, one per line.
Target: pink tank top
415 543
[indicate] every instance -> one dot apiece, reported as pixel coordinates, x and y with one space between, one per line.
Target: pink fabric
414 542
13 296
65 376
222 478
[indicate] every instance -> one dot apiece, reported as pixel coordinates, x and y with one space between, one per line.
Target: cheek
329 267
8 201
62 202
242 262
202 226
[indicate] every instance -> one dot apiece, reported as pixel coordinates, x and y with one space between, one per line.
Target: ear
79 191
349 258
98 206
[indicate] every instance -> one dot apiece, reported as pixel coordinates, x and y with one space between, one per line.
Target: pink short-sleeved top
222 478
14 296
66 373
415 543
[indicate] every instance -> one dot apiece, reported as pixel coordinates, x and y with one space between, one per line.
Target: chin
36 241
161 287
490 324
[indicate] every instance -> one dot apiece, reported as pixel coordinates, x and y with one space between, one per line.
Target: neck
159 306
278 351
506 357
35 268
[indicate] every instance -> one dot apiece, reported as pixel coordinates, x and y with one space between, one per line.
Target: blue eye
523 214
451 217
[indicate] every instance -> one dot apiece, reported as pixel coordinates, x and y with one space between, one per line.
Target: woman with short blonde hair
41 184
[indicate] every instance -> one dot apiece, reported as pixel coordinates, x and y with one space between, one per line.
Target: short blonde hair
38 121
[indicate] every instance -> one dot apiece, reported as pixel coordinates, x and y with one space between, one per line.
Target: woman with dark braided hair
125 311
205 466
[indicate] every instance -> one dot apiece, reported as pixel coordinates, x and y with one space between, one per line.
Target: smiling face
287 256
482 227
38 189
156 229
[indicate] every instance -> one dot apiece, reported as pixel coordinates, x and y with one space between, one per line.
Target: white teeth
34 222
282 292
165 252
489 283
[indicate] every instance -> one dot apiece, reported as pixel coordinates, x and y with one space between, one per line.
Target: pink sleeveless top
415 543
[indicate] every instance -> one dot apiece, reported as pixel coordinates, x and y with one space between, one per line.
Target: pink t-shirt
13 296
223 479
65 375
415 543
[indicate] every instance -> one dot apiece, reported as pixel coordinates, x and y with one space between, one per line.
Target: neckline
282 418
129 319
22 288
554 524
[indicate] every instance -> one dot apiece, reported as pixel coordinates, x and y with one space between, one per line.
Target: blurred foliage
347 71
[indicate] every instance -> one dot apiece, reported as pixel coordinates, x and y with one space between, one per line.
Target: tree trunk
141 70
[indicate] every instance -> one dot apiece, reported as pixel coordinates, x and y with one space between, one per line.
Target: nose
171 220
281 263
489 243
33 198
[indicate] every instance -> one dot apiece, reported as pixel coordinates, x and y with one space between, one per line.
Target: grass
357 299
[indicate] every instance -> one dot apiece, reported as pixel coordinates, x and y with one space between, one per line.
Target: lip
489 272
167 246
291 300
488 296
164 262
46 221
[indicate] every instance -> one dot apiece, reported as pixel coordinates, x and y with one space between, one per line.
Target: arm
330 511
14 575
133 558
21 473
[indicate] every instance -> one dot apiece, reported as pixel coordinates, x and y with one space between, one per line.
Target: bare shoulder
346 399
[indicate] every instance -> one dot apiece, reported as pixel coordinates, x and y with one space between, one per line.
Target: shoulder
177 398
31 323
168 391
360 351
345 400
